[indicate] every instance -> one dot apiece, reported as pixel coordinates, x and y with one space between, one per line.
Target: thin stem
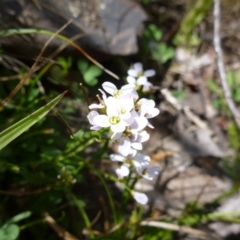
221 68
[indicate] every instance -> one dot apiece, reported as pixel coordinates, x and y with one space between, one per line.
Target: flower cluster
139 77
126 116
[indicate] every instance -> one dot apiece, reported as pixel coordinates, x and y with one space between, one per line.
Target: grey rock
108 26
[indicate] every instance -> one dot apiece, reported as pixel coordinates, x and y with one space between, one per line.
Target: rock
108 26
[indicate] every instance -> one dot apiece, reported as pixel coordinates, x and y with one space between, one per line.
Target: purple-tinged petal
116 135
138 67
136 145
91 116
124 147
149 73
139 123
140 198
117 158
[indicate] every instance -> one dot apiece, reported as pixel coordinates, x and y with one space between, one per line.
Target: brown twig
184 229
61 232
23 193
221 69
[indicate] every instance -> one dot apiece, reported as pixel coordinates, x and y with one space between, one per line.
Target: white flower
146 108
122 171
138 138
102 104
118 115
139 77
141 163
124 92
140 197
90 118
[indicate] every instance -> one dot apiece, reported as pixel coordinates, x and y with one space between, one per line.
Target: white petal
151 172
140 197
153 113
116 135
124 147
142 80
138 67
102 121
147 87
150 125
123 171
126 116
109 87
104 96
142 159
150 73
143 136
129 121
95 128
112 110
117 158
91 116
131 80
94 106
132 73
128 103
139 123
137 145
120 127
150 104
128 88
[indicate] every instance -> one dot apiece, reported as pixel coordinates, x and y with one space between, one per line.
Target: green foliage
179 94
10 230
89 71
145 1
197 11
156 233
18 128
152 44
233 134
217 92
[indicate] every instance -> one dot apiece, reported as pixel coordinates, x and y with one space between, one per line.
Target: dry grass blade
27 76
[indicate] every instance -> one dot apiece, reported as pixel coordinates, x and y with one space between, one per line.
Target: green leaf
82 65
236 95
9 232
90 75
213 86
18 128
162 53
20 217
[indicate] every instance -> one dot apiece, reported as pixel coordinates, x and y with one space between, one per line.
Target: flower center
140 74
138 106
128 161
114 120
127 132
123 110
117 94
